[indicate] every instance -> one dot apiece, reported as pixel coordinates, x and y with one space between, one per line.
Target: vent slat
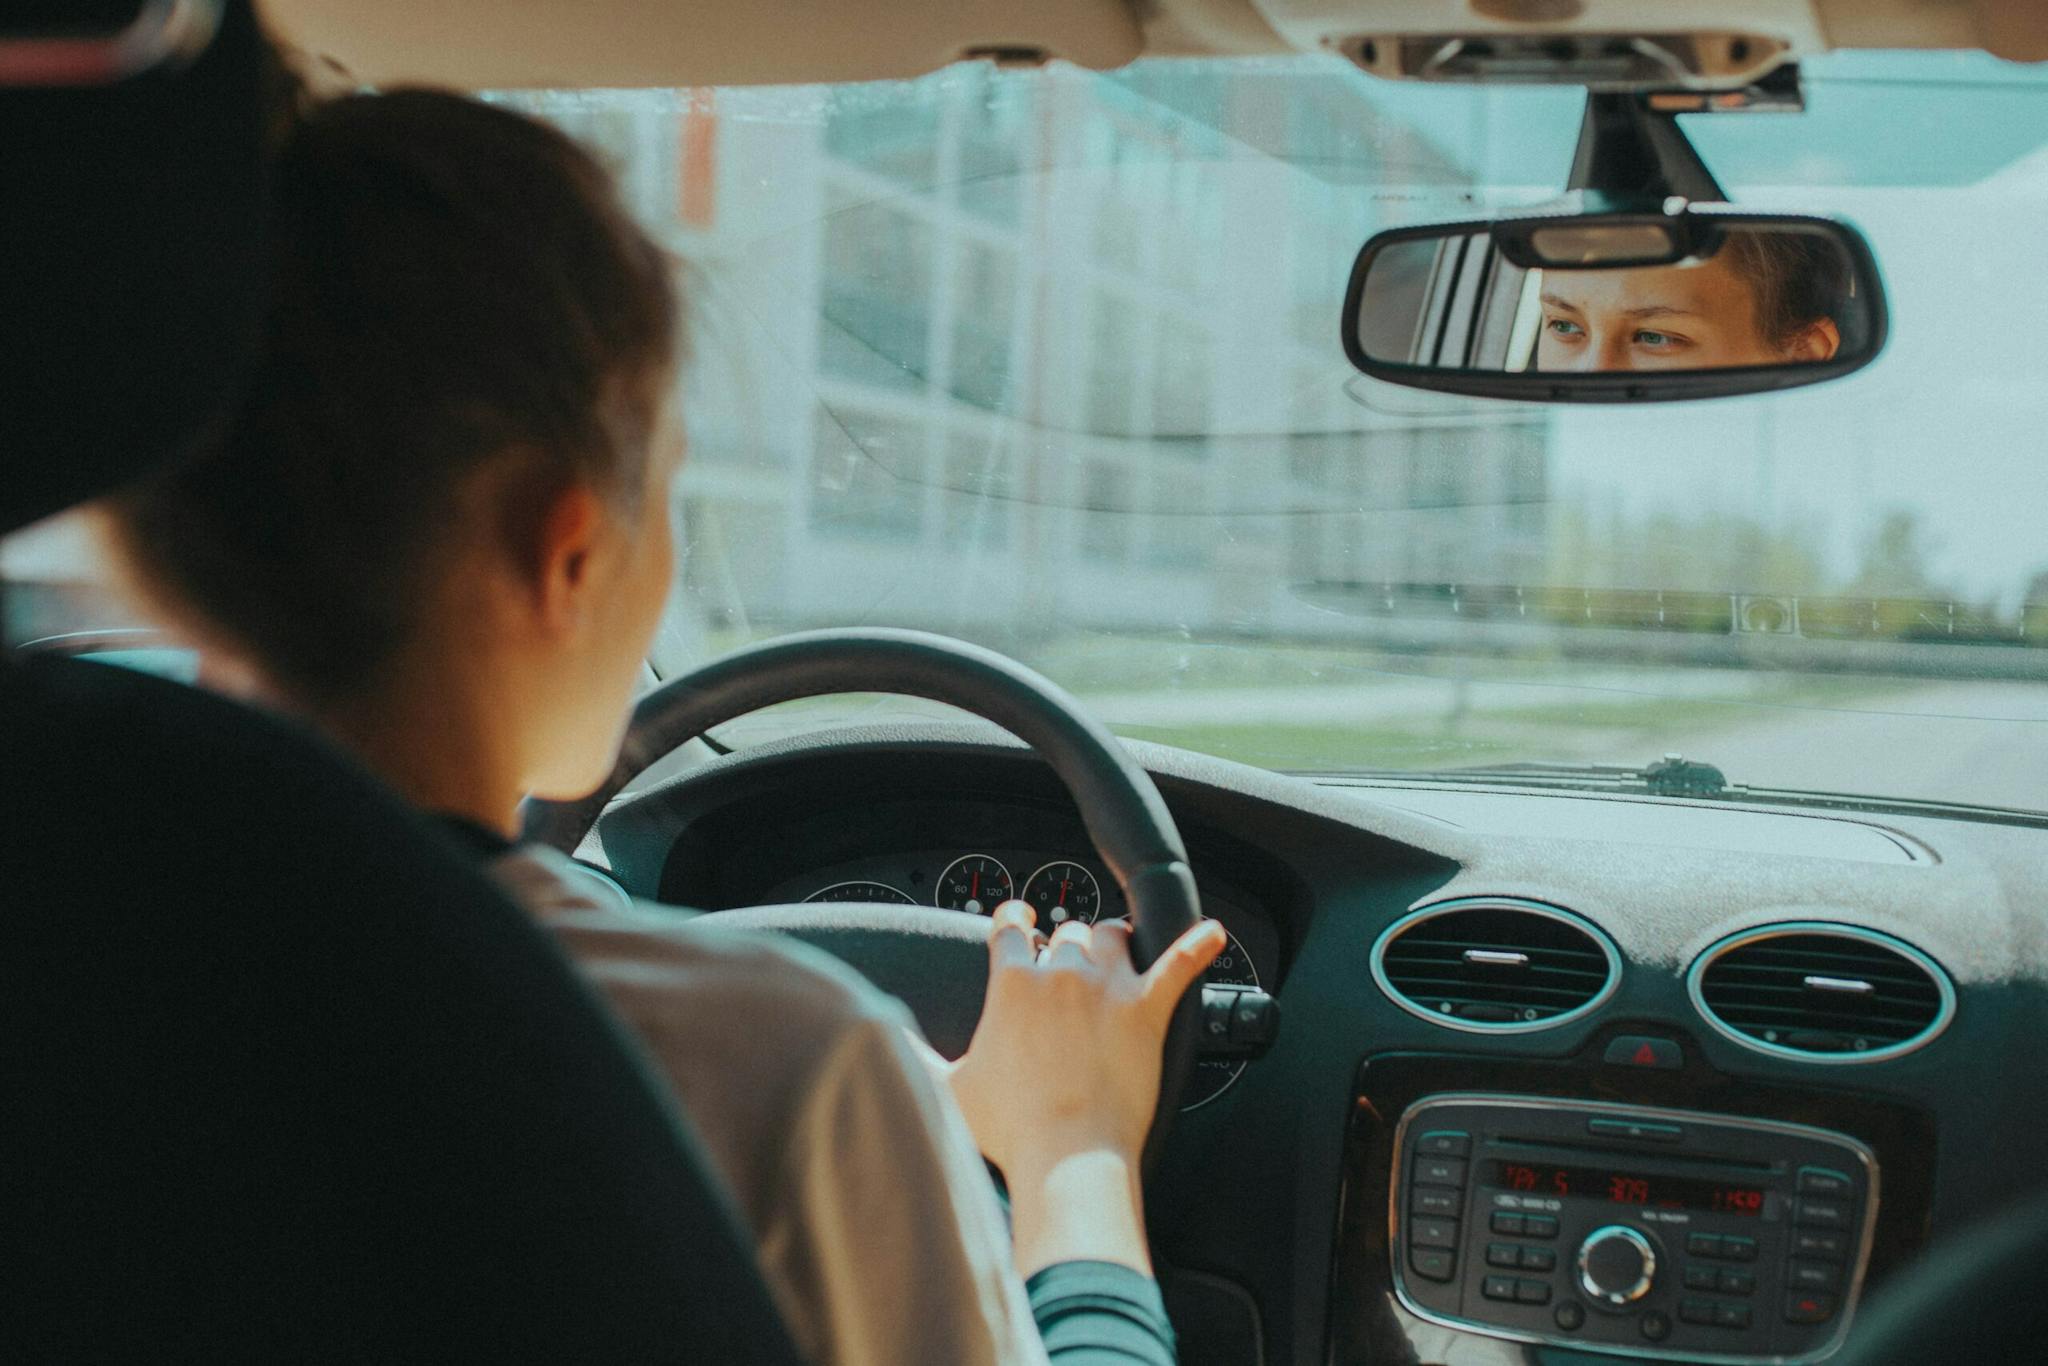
1409 963
1425 966
1758 990
1539 957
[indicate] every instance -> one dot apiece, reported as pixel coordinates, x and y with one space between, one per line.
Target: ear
1817 341
567 540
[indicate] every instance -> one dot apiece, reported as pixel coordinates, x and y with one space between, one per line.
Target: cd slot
1720 1161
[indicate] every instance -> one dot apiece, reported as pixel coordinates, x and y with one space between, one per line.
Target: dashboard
1558 1076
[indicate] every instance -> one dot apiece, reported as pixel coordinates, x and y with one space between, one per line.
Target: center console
1646 1232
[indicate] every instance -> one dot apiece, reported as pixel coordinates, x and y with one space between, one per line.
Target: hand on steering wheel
1032 1099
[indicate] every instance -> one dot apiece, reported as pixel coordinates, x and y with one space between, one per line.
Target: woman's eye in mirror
1467 300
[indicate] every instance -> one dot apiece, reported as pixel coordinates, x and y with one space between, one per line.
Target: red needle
974 888
1064 884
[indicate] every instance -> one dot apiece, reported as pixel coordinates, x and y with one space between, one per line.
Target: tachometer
1063 891
862 891
973 882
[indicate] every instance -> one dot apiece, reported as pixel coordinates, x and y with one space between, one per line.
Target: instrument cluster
1060 887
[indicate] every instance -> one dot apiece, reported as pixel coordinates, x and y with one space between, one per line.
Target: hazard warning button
1640 1050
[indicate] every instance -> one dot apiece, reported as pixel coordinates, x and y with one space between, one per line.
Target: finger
1109 943
1069 944
1183 962
1011 938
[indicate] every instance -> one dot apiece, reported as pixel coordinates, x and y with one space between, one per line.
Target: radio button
1433 1263
1696 1311
1699 1277
1733 1282
1812 1276
1439 1171
1803 1308
1731 1316
1737 1248
1823 1181
1540 1225
1443 1143
1656 1327
1532 1292
1539 1259
1503 1254
1703 1244
1437 1200
1433 1232
1498 1288
1806 1243
1504 1222
1820 1214
1570 1316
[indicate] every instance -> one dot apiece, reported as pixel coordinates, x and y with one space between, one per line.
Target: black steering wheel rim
1121 808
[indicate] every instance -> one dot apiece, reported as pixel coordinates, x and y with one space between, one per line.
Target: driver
438 529
1764 298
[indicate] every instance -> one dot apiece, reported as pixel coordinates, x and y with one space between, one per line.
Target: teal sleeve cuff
1101 1314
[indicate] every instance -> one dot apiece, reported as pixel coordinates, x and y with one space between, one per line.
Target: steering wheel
935 960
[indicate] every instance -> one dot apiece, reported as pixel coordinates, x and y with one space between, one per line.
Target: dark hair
1797 278
450 283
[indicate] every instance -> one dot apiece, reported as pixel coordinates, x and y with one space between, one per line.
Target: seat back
286 1078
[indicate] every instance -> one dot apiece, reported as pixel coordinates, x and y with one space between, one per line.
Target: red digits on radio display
1628 1190
1519 1177
1736 1200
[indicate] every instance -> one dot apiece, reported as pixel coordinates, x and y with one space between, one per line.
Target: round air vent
1821 993
1495 965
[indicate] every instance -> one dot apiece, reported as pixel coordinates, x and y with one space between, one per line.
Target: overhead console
1649 1232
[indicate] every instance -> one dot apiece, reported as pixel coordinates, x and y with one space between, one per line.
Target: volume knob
1616 1264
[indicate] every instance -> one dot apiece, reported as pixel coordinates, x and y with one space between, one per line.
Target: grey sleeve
887 1239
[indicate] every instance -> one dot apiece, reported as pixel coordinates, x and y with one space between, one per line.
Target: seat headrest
132 259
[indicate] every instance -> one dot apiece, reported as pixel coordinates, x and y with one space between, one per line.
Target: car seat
285 1077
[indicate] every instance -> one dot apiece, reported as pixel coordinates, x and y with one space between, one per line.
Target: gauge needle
974 888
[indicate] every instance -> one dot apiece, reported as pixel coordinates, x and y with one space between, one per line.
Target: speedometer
863 891
974 882
1212 1076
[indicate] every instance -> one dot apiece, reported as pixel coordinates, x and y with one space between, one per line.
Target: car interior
1607 718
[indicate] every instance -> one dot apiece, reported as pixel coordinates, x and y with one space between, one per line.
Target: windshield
1049 360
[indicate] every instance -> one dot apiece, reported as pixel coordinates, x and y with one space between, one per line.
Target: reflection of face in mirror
1764 298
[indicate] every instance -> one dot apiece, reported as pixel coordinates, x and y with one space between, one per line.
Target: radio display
1627 1188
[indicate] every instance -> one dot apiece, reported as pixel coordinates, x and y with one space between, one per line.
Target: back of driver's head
452 285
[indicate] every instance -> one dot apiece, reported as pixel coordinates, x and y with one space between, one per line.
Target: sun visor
487 44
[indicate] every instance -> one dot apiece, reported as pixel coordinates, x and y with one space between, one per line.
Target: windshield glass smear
1048 360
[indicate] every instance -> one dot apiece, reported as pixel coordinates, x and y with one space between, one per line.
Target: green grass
1327 747
1633 731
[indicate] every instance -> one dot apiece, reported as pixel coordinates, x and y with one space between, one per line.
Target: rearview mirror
1615 307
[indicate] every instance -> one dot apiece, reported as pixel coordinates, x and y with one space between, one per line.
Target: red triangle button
1644 1056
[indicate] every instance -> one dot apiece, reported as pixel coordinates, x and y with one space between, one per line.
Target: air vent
1822 993
1495 965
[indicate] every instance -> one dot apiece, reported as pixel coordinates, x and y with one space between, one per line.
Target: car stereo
1650 1233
